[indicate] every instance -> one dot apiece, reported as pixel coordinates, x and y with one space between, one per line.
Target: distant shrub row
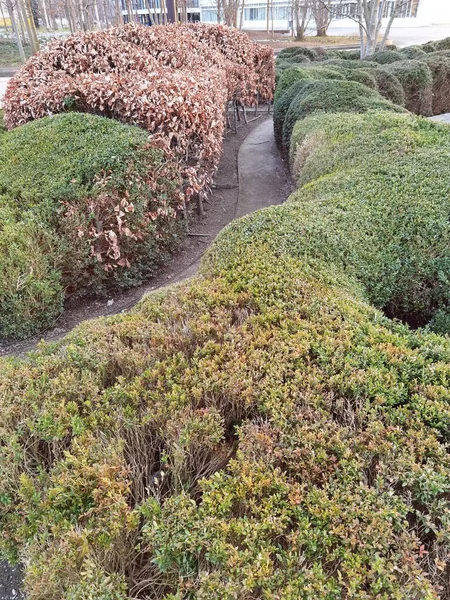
416 77
88 204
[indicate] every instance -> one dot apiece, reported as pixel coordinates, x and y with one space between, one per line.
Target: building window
280 13
209 16
255 14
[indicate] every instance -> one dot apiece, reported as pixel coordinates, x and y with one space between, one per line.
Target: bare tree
11 11
324 11
230 10
301 17
369 15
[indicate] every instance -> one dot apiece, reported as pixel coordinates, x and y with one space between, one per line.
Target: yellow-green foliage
301 433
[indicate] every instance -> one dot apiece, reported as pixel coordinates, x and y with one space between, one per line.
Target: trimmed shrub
294 52
389 86
372 188
307 73
352 64
347 55
439 64
429 47
332 96
109 214
297 428
31 290
413 52
417 83
386 57
367 78
129 72
281 106
442 44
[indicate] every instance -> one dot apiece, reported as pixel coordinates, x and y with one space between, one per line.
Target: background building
253 15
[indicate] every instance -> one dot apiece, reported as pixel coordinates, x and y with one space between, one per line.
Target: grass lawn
9 54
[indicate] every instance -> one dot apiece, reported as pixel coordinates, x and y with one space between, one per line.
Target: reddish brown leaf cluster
172 80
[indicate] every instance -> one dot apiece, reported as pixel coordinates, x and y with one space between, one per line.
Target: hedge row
261 431
416 77
101 198
172 80
326 94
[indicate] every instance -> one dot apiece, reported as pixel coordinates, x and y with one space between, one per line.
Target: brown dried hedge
172 80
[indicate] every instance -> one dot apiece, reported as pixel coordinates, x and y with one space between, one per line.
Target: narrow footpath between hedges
251 176
445 118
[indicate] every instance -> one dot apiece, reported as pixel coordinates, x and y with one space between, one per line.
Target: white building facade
254 15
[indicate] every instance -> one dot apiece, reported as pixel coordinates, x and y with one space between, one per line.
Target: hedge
332 96
389 86
439 64
86 205
172 80
281 106
121 224
261 431
385 57
302 436
372 199
417 83
298 73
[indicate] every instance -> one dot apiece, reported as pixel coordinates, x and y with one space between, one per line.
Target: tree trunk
4 19
10 8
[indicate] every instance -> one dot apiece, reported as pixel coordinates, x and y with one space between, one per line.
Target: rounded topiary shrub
439 64
282 105
417 82
305 72
389 86
332 96
352 64
294 52
97 193
386 57
413 52
374 191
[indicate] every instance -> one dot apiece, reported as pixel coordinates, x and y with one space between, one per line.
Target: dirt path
251 175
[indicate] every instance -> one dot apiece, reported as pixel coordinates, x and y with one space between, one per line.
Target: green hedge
294 52
281 106
439 65
302 436
389 86
372 199
332 96
298 73
417 83
385 57
60 178
261 431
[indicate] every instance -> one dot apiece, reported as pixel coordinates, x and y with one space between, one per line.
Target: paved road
402 36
